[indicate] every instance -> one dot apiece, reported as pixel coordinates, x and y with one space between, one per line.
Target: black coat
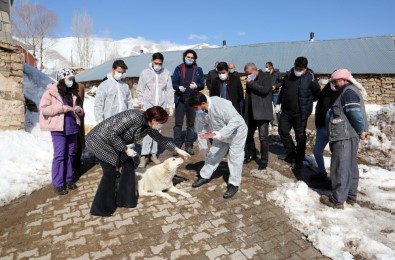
309 90
234 89
276 81
211 75
108 140
259 98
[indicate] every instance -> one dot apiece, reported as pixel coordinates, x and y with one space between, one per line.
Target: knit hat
341 74
66 72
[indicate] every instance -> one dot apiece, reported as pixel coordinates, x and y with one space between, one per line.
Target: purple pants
62 163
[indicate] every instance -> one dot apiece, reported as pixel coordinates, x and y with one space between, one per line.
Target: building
370 59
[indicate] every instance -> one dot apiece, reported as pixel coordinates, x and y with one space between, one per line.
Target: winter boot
155 159
143 161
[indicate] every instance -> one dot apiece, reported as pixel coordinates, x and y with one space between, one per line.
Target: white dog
159 178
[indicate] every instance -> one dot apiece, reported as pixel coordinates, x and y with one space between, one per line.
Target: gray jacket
111 98
340 127
155 88
259 98
108 140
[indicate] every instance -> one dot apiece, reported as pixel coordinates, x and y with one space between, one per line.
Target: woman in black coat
108 142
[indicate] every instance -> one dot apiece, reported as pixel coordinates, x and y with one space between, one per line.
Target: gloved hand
277 109
216 135
182 153
130 152
78 110
193 85
67 109
182 89
170 111
207 135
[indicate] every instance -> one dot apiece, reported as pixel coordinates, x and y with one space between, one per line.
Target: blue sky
237 22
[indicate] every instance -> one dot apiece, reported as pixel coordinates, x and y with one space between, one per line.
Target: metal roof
368 55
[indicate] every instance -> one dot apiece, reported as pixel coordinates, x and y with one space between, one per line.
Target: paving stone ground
47 226
205 226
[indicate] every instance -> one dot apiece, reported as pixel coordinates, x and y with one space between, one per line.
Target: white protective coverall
231 131
112 97
154 89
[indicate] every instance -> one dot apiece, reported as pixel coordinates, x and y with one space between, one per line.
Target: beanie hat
341 74
66 72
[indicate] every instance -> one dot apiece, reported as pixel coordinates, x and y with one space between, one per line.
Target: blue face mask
200 112
188 62
252 77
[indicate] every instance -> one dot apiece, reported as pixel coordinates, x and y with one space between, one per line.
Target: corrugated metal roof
368 55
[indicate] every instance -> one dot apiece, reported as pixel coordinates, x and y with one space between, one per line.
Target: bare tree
110 48
33 24
83 45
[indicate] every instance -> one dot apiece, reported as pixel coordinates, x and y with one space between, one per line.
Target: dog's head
172 164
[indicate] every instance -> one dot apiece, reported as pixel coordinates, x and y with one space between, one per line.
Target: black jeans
263 130
299 126
107 198
182 108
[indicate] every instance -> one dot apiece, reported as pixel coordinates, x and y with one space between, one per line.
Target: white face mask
223 76
231 70
157 127
117 75
69 84
298 73
157 67
267 69
333 86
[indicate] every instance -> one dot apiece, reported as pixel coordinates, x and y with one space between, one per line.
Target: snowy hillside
62 52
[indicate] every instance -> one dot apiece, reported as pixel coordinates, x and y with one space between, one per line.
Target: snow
361 231
61 51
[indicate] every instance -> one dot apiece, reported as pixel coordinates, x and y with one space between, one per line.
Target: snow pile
380 148
355 232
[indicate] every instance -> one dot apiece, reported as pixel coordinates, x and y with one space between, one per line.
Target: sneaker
327 201
60 190
190 150
262 167
143 161
71 185
154 159
231 191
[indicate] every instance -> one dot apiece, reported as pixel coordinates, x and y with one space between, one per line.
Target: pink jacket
52 110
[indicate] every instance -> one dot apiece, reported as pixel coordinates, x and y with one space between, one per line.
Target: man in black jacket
211 75
299 90
258 112
276 83
227 86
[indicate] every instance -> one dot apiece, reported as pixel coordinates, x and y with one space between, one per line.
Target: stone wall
12 101
380 88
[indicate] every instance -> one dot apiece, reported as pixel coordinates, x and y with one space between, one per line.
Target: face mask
231 71
117 75
200 112
298 73
333 86
267 69
188 61
223 76
69 84
252 77
157 67
157 127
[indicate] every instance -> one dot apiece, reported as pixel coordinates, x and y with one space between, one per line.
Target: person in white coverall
155 88
113 95
229 132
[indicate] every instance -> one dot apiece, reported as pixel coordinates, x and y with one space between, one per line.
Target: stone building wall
12 101
380 88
